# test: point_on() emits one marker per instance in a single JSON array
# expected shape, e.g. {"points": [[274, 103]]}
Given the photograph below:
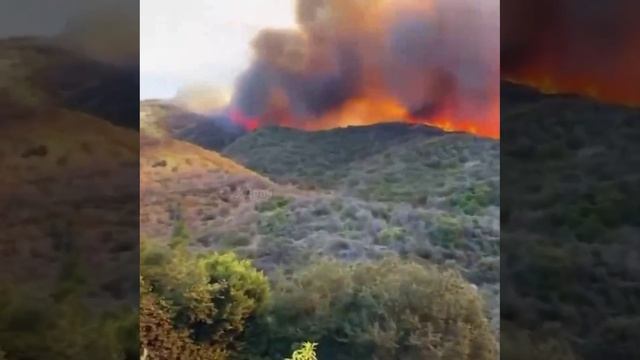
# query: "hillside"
{"points": [[570, 221], [162, 119], [66, 187], [389, 162], [69, 241], [181, 181], [288, 154], [40, 74], [68, 159], [353, 194]]}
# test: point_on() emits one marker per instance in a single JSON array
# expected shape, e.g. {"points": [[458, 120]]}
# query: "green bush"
{"points": [[274, 222], [208, 296], [33, 325], [59, 320], [234, 239], [390, 235], [161, 339], [524, 345], [273, 203], [476, 198], [448, 231], [384, 310]]}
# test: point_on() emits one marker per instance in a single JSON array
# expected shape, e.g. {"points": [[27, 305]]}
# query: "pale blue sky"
{"points": [[201, 41]]}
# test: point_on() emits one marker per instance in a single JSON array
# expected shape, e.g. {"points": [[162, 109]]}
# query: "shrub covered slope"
{"points": [[570, 225], [400, 201]]}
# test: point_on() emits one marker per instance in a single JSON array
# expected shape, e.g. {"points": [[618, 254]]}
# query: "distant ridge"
{"points": [[43, 73], [160, 118]]}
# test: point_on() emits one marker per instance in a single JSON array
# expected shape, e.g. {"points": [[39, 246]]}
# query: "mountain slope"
{"points": [[68, 203], [450, 172], [294, 155], [66, 189], [388, 162], [183, 182], [40, 74], [162, 119], [282, 197], [570, 222], [354, 194]]}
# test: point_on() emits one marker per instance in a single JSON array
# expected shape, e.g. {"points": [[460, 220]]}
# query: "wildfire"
{"points": [[360, 111], [486, 127], [356, 63], [568, 46], [551, 80], [368, 111]]}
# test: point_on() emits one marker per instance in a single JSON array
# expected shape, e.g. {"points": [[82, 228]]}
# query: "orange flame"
{"points": [[374, 110], [458, 34], [249, 123], [551, 80], [564, 46]]}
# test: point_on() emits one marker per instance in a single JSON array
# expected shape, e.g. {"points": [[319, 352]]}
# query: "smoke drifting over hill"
{"points": [[94, 33], [354, 62]]}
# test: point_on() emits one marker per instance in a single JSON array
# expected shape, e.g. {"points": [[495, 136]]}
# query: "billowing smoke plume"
{"points": [[108, 31], [586, 47], [203, 98], [358, 62]]}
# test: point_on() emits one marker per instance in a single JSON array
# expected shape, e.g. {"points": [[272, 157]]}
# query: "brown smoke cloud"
{"points": [[109, 32], [357, 62], [585, 47], [204, 99]]}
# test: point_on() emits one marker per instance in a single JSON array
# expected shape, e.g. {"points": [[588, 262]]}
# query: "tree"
{"points": [[196, 304], [389, 309]]}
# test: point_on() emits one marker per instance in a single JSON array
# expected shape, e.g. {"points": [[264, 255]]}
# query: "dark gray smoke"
{"points": [[426, 58], [309, 95]]}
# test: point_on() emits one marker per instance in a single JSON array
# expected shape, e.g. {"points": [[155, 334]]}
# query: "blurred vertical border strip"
{"points": [[69, 192]]}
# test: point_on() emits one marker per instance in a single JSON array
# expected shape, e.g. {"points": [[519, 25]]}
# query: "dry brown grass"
{"points": [[67, 183], [170, 158], [201, 187]]}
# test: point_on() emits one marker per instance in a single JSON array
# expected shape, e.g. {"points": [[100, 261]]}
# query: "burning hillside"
{"points": [[358, 63], [572, 46]]}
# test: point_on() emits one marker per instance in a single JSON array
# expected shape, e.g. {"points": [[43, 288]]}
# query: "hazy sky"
{"points": [[201, 41], [48, 17]]}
